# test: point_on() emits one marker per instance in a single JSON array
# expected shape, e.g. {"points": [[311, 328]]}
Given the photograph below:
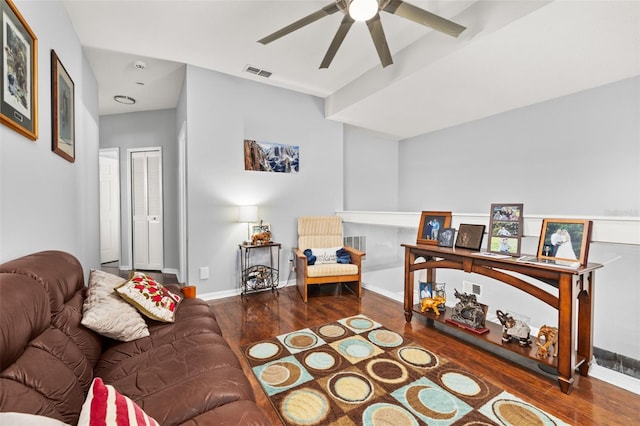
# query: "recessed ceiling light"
{"points": [[127, 100]]}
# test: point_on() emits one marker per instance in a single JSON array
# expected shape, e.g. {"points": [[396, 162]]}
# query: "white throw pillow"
{"points": [[24, 419], [105, 312], [150, 297], [325, 255]]}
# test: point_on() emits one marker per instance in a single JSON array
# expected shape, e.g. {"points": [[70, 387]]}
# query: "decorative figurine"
{"points": [[468, 311], [514, 329], [550, 337], [261, 238], [432, 303]]}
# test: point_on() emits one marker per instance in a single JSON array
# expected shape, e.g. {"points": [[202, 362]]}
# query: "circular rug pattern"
{"points": [[463, 383], [332, 331], [431, 402], [418, 357], [321, 361], [387, 371], [301, 340], [386, 338], [356, 348], [305, 407], [383, 414], [350, 387], [264, 350], [360, 323], [519, 413], [281, 374]]}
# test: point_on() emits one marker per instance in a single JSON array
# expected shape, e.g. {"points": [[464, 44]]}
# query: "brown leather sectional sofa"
{"points": [[183, 373]]}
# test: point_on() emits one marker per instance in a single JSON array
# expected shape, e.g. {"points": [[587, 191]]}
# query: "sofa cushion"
{"points": [[106, 406], [150, 297], [105, 312]]}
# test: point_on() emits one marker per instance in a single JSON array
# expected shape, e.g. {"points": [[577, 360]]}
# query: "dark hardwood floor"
{"points": [[268, 314]]}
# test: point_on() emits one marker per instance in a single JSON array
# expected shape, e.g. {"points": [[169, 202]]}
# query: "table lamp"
{"points": [[248, 214]]}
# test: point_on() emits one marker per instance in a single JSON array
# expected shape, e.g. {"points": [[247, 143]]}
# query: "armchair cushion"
{"points": [[331, 269]]}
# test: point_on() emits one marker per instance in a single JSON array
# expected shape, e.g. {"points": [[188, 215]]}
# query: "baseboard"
{"points": [[235, 292], [173, 271], [125, 268]]}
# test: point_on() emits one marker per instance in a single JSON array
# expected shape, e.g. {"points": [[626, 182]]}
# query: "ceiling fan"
{"points": [[368, 10]]}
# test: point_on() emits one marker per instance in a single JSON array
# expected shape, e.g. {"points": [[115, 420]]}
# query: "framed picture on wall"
{"points": [[19, 88], [63, 138], [505, 229], [430, 225]]}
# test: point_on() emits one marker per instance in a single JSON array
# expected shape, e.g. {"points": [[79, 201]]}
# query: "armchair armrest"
{"points": [[356, 255]]}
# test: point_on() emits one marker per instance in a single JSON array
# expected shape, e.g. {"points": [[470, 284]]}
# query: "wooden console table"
{"points": [[574, 301]]}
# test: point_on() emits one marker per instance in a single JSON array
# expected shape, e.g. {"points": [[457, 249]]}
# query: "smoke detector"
{"points": [[139, 65]]}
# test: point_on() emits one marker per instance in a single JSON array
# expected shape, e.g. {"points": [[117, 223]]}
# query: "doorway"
{"points": [[109, 169], [147, 224]]}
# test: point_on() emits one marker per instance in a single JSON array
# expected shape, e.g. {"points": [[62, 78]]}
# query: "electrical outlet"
{"points": [[204, 273]]}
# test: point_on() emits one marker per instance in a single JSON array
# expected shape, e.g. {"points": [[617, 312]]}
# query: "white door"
{"points": [[109, 206], [146, 193]]}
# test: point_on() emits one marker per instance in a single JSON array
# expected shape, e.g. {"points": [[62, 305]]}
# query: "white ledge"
{"points": [[606, 229]]}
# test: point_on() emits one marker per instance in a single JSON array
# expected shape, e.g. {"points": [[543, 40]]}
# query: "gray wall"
{"points": [[46, 201], [221, 112], [578, 155], [144, 130]]}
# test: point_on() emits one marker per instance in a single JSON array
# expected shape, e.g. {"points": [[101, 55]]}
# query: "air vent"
{"points": [[258, 71], [358, 242]]}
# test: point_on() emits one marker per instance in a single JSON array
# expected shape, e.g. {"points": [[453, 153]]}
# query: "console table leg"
{"points": [[566, 385], [408, 316]]}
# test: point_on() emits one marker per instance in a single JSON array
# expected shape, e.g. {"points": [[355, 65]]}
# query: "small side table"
{"points": [[259, 277]]}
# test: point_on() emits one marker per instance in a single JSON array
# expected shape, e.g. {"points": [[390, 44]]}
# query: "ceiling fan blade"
{"points": [[421, 16], [325, 11], [344, 28], [379, 40]]}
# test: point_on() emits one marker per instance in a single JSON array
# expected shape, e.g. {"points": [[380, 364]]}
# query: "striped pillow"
{"points": [[106, 406]]}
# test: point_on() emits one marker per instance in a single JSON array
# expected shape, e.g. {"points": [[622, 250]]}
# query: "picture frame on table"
{"points": [[470, 236], [447, 237], [63, 140], [505, 228], [565, 240], [19, 69], [258, 228], [430, 225]]}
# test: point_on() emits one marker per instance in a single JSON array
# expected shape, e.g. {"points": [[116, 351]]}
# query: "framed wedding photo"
{"points": [[505, 229], [430, 225], [19, 69], [470, 236], [62, 111], [565, 240]]}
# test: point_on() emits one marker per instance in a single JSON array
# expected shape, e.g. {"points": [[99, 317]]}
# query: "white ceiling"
{"points": [[513, 54]]}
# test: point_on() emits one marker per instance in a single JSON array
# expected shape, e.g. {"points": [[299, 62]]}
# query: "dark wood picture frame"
{"points": [[565, 240], [505, 228], [19, 72], [470, 236], [63, 138], [447, 237], [430, 225]]}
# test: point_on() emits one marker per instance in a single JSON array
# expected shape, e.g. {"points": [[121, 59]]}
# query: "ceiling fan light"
{"points": [[363, 10]]}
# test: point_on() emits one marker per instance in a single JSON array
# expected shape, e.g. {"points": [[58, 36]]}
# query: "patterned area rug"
{"points": [[357, 372]]}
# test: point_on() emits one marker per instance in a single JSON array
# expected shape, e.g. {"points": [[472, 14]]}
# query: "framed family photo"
{"points": [[565, 240], [431, 223], [62, 111], [19, 69], [505, 229], [470, 236], [447, 237]]}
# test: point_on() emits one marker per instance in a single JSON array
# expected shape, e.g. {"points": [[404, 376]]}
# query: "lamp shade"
{"points": [[248, 214]]}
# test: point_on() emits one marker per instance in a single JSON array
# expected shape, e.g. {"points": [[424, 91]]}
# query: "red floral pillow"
{"points": [[150, 297]]}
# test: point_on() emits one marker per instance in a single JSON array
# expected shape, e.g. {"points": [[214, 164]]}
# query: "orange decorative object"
{"points": [[432, 303], [189, 291]]}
